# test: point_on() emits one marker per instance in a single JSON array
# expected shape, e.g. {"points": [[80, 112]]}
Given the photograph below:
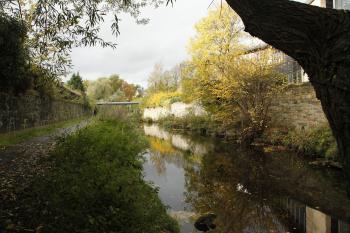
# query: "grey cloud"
{"points": [[164, 40]]}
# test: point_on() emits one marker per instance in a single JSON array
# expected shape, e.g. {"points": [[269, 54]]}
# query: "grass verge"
{"points": [[8, 139], [95, 185]]}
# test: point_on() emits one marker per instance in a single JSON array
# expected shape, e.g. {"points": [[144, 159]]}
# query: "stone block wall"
{"points": [[297, 107], [177, 109], [26, 111], [156, 113]]}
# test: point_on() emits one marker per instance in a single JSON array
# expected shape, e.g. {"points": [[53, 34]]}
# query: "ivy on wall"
{"points": [[13, 56]]}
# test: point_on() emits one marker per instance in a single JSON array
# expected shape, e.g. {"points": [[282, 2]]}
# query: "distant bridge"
{"points": [[116, 109], [118, 103]]}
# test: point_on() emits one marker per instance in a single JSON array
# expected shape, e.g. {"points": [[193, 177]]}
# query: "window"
{"points": [[342, 4]]}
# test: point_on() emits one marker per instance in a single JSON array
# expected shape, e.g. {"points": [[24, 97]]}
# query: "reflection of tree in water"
{"points": [[223, 186], [158, 162], [248, 190], [176, 149], [162, 152]]}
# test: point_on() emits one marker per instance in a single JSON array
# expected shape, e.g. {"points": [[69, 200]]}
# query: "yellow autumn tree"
{"points": [[233, 81]]}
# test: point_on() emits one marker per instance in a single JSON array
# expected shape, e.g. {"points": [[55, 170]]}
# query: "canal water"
{"points": [[250, 190]]}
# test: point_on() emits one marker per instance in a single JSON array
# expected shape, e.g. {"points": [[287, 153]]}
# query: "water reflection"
{"points": [[250, 190], [180, 142]]}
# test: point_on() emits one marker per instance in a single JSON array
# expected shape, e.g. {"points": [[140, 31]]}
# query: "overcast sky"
{"points": [[164, 40]]}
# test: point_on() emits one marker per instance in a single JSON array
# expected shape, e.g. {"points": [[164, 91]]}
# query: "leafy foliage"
{"points": [[18, 73], [163, 86], [190, 122], [76, 83], [111, 89], [96, 185], [316, 142], [234, 84], [13, 55], [46, 84], [161, 99], [55, 27]]}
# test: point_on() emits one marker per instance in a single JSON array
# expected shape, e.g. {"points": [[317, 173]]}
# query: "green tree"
{"points": [[111, 89], [13, 56], [100, 89], [116, 82], [76, 83]]}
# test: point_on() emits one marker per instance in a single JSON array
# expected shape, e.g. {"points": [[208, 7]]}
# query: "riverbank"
{"points": [[247, 188], [92, 182], [203, 125], [316, 143]]}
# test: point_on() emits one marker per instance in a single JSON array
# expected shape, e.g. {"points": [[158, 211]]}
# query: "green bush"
{"points": [[42, 81], [190, 122], [76, 83], [316, 142], [13, 56], [97, 185]]}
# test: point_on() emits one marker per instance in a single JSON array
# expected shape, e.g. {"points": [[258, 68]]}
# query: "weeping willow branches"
{"points": [[56, 26]]}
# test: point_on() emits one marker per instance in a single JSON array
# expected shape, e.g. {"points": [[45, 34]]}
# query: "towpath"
{"points": [[21, 162]]}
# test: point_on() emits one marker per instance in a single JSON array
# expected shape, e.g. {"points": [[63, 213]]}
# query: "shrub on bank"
{"points": [[317, 142], [96, 185], [189, 122]]}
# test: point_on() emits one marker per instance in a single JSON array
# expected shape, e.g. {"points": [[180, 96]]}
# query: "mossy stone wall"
{"points": [[26, 111]]}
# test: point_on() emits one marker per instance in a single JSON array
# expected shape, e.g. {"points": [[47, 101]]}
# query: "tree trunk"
{"points": [[336, 105], [319, 39]]}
